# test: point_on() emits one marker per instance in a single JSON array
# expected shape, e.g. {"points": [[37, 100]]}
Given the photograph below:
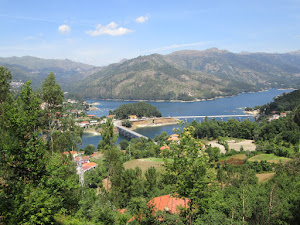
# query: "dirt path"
{"points": [[247, 145], [216, 144]]}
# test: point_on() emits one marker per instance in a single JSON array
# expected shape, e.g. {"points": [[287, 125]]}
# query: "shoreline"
{"points": [[196, 100]]}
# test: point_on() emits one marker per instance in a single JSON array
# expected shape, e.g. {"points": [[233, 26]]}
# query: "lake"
{"points": [[221, 106]]}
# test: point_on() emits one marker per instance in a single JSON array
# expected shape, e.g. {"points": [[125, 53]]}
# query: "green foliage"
{"points": [[189, 171], [5, 77], [108, 137], [123, 144], [51, 92], [285, 102], [89, 149], [140, 109], [127, 123]]}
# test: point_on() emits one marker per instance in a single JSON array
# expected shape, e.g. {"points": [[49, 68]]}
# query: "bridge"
{"points": [[132, 134], [216, 116], [129, 133]]}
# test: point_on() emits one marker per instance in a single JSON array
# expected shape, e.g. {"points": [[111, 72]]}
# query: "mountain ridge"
{"points": [[180, 75]]}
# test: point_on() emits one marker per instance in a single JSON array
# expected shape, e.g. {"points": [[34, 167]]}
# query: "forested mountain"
{"points": [[156, 77], [37, 69], [282, 103], [189, 75], [182, 75], [260, 69]]}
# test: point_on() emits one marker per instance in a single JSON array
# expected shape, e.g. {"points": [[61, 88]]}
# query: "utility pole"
{"points": [[129, 151], [81, 173]]}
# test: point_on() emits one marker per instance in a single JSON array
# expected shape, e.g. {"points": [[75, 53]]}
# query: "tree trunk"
{"points": [[243, 206], [270, 203]]}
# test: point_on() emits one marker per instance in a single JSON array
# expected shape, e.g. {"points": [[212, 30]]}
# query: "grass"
{"points": [[270, 158], [238, 159], [146, 163], [263, 177]]}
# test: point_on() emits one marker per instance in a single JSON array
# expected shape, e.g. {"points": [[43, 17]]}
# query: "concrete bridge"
{"points": [[216, 116], [128, 133]]}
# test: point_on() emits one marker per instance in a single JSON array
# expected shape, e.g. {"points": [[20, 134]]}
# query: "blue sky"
{"points": [[103, 32]]}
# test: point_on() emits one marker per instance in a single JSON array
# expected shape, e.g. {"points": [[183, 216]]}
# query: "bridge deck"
{"points": [[216, 116], [127, 132]]}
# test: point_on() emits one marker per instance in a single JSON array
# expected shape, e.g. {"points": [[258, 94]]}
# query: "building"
{"points": [[133, 117], [164, 147], [88, 166], [166, 203]]}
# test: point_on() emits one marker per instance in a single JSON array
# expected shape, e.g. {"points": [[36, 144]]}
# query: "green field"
{"points": [[144, 164], [270, 158]]}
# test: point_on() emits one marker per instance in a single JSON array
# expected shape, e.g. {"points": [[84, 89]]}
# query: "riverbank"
{"points": [[153, 122]]}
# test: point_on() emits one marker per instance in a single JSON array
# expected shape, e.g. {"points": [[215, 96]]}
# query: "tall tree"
{"points": [[189, 171], [51, 92], [52, 96]]}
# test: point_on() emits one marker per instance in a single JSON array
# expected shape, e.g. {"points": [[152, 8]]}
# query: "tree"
{"points": [[5, 77], [89, 149], [108, 137], [189, 171], [51, 92]]}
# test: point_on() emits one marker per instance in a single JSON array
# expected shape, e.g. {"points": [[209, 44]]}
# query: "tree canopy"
{"points": [[140, 109]]}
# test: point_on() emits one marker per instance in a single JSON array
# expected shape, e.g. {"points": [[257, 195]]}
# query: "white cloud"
{"points": [[64, 29], [110, 29], [142, 19], [175, 46]]}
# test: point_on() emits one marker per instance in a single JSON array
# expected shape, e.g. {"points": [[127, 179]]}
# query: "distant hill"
{"points": [[182, 75], [37, 69], [155, 77], [282, 103], [261, 69]]}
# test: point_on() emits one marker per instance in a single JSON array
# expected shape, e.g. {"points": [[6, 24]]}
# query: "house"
{"points": [[91, 116], [84, 124], [133, 117], [84, 159], [282, 114], [88, 166], [167, 203], [173, 137], [164, 147], [111, 116], [73, 153]]}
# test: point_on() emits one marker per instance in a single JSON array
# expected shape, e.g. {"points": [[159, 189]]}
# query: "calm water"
{"points": [[222, 106]]}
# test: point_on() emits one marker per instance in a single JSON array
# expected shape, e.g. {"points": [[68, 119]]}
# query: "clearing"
{"points": [[145, 163], [238, 159], [247, 145], [234, 144], [263, 177], [153, 122], [270, 158]]}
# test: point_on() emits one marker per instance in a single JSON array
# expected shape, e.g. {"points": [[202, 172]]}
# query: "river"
{"points": [[221, 106]]}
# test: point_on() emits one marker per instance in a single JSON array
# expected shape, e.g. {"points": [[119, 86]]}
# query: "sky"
{"points": [[100, 32]]}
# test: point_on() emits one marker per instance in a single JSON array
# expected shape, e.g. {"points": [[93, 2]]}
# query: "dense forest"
{"points": [[39, 184], [282, 103], [140, 109]]}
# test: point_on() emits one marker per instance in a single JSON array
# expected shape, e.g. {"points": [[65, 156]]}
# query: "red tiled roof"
{"points": [[70, 152], [84, 158], [173, 139], [122, 210], [165, 203], [88, 166], [164, 147], [169, 203], [91, 115], [85, 122], [111, 116]]}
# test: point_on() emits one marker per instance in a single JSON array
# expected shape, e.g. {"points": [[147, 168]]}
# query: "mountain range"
{"points": [[182, 75]]}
